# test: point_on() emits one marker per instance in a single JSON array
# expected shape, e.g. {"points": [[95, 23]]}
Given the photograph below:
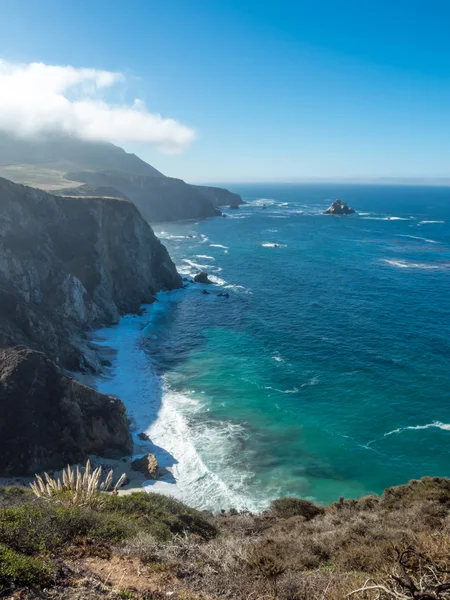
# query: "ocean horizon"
{"points": [[323, 374]]}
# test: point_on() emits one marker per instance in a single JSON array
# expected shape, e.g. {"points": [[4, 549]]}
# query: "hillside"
{"points": [[61, 164], [149, 547]]}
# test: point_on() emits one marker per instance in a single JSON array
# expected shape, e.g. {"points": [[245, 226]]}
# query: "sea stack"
{"points": [[338, 207]]}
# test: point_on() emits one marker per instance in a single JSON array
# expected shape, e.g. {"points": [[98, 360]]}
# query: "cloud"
{"points": [[37, 98]]}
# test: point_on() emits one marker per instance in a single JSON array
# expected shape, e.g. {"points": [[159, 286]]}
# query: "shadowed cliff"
{"points": [[67, 264]]}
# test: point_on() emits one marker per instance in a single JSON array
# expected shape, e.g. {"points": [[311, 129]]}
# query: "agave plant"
{"points": [[77, 488]]}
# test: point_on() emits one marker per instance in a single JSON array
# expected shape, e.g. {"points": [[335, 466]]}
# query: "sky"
{"points": [[228, 90]]}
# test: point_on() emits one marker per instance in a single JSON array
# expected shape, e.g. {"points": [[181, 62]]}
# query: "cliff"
{"points": [[48, 420], [67, 264], [158, 198], [219, 196], [70, 166]]}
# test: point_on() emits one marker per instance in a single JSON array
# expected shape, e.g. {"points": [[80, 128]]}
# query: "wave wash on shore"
{"points": [[199, 460]]}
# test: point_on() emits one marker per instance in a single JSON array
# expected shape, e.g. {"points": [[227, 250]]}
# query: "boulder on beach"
{"points": [[338, 207], [202, 277], [148, 465]]}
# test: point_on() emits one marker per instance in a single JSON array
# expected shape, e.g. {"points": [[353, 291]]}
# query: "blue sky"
{"points": [[273, 90]]}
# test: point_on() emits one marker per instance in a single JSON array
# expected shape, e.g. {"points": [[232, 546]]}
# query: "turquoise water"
{"points": [[326, 371]]}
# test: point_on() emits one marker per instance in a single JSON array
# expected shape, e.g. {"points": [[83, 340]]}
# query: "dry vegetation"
{"points": [[145, 546]]}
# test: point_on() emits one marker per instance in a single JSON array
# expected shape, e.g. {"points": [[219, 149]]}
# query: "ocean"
{"points": [[325, 373]]}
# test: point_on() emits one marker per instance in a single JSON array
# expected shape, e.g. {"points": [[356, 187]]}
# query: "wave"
{"points": [[435, 424], [204, 256], [416, 237], [426, 222], [217, 280], [387, 218], [180, 437], [293, 391], [191, 263], [218, 246], [272, 245], [406, 264], [176, 237], [204, 238]]}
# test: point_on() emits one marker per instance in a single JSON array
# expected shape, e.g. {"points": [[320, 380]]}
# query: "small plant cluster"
{"points": [[76, 488]]}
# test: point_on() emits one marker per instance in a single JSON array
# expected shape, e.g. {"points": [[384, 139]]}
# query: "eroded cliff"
{"points": [[67, 264]]}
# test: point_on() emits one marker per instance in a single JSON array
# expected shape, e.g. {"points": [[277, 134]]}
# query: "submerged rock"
{"points": [[223, 295], [234, 206], [144, 437], [338, 207], [202, 277], [148, 465], [205, 292]]}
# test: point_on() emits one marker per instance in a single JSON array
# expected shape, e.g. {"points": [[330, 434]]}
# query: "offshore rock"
{"points": [[202, 277], [338, 207]]}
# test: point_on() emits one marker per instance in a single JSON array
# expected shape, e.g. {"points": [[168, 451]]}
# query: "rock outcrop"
{"points": [[148, 465], [219, 196], [48, 420], [338, 207], [202, 277], [67, 264]]}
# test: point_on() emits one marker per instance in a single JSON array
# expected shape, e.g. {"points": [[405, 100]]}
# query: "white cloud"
{"points": [[37, 98]]}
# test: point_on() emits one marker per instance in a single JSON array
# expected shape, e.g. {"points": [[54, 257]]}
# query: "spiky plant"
{"points": [[76, 488]]}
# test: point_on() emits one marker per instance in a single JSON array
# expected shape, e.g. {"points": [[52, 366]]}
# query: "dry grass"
{"points": [[396, 546], [75, 487]]}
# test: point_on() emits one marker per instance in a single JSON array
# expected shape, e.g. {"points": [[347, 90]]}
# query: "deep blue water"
{"points": [[326, 371]]}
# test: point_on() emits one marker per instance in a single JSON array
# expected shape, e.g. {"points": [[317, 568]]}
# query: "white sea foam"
{"points": [[205, 256], [406, 264], [218, 246], [435, 424], [272, 245], [179, 439], [313, 381], [166, 236], [416, 237], [426, 222], [199, 266], [204, 238], [293, 391], [217, 280]]}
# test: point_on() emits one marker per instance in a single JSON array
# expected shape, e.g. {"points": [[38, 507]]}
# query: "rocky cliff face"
{"points": [[67, 264], [158, 198], [48, 420], [219, 196]]}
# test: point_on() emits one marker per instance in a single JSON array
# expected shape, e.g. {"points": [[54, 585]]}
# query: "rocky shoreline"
{"points": [[66, 265]]}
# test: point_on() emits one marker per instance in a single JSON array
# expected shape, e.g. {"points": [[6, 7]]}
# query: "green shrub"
{"points": [[295, 507], [23, 570], [45, 527], [14, 494], [160, 515]]}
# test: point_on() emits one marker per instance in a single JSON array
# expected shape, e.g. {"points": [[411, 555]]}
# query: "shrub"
{"points": [[36, 528], [76, 488], [24, 570], [160, 515], [294, 507]]}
